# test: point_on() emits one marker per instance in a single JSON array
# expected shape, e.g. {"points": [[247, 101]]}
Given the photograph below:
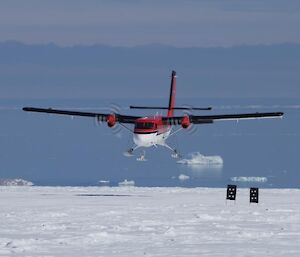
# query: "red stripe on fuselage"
{"points": [[149, 125]]}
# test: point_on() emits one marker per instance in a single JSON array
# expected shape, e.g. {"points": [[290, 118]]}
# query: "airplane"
{"points": [[154, 130]]}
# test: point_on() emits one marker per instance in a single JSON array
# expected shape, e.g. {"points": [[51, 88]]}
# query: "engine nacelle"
{"points": [[111, 120], [185, 123]]}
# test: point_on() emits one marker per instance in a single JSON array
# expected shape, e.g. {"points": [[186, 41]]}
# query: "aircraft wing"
{"points": [[100, 116], [206, 119]]}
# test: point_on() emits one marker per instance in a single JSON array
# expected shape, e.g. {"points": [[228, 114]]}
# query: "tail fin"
{"points": [[172, 95]]}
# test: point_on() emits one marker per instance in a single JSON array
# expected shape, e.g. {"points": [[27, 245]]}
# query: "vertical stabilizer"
{"points": [[172, 95]]}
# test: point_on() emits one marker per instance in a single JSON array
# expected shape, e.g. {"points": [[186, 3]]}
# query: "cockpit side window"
{"points": [[145, 125]]}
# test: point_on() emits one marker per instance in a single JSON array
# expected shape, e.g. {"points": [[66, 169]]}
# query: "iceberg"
{"points": [[127, 183], [15, 182], [199, 159]]}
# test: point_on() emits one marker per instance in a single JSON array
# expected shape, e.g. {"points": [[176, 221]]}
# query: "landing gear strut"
{"points": [[129, 152], [175, 153]]}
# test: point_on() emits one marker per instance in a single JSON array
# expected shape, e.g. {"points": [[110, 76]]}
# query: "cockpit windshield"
{"points": [[144, 125]]}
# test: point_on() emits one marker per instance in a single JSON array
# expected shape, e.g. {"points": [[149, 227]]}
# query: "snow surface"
{"points": [[132, 221]]}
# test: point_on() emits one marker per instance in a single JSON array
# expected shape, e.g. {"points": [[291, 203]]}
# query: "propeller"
{"points": [[192, 129], [112, 109]]}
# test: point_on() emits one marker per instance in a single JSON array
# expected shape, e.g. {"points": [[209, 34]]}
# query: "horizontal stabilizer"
{"points": [[174, 108]]}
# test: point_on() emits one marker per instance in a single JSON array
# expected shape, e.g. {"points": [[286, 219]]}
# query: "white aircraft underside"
{"points": [[151, 139]]}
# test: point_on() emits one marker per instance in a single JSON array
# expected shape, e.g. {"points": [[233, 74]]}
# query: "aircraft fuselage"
{"points": [[150, 131]]}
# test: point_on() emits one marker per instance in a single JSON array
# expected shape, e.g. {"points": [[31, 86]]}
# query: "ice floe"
{"points": [[15, 182], [250, 179], [183, 177], [127, 183]]}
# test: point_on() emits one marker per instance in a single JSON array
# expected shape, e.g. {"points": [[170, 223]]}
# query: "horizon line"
{"points": [[149, 45]]}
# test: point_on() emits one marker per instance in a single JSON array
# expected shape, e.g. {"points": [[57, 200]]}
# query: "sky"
{"points": [[138, 22], [218, 48]]}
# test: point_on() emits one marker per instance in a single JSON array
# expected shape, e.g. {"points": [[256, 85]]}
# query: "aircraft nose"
{"points": [[137, 139], [145, 140]]}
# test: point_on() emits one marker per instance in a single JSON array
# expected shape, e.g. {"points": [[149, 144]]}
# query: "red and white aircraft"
{"points": [[154, 130]]}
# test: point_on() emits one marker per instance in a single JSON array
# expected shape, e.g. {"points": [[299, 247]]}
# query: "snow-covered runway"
{"points": [[91, 221]]}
